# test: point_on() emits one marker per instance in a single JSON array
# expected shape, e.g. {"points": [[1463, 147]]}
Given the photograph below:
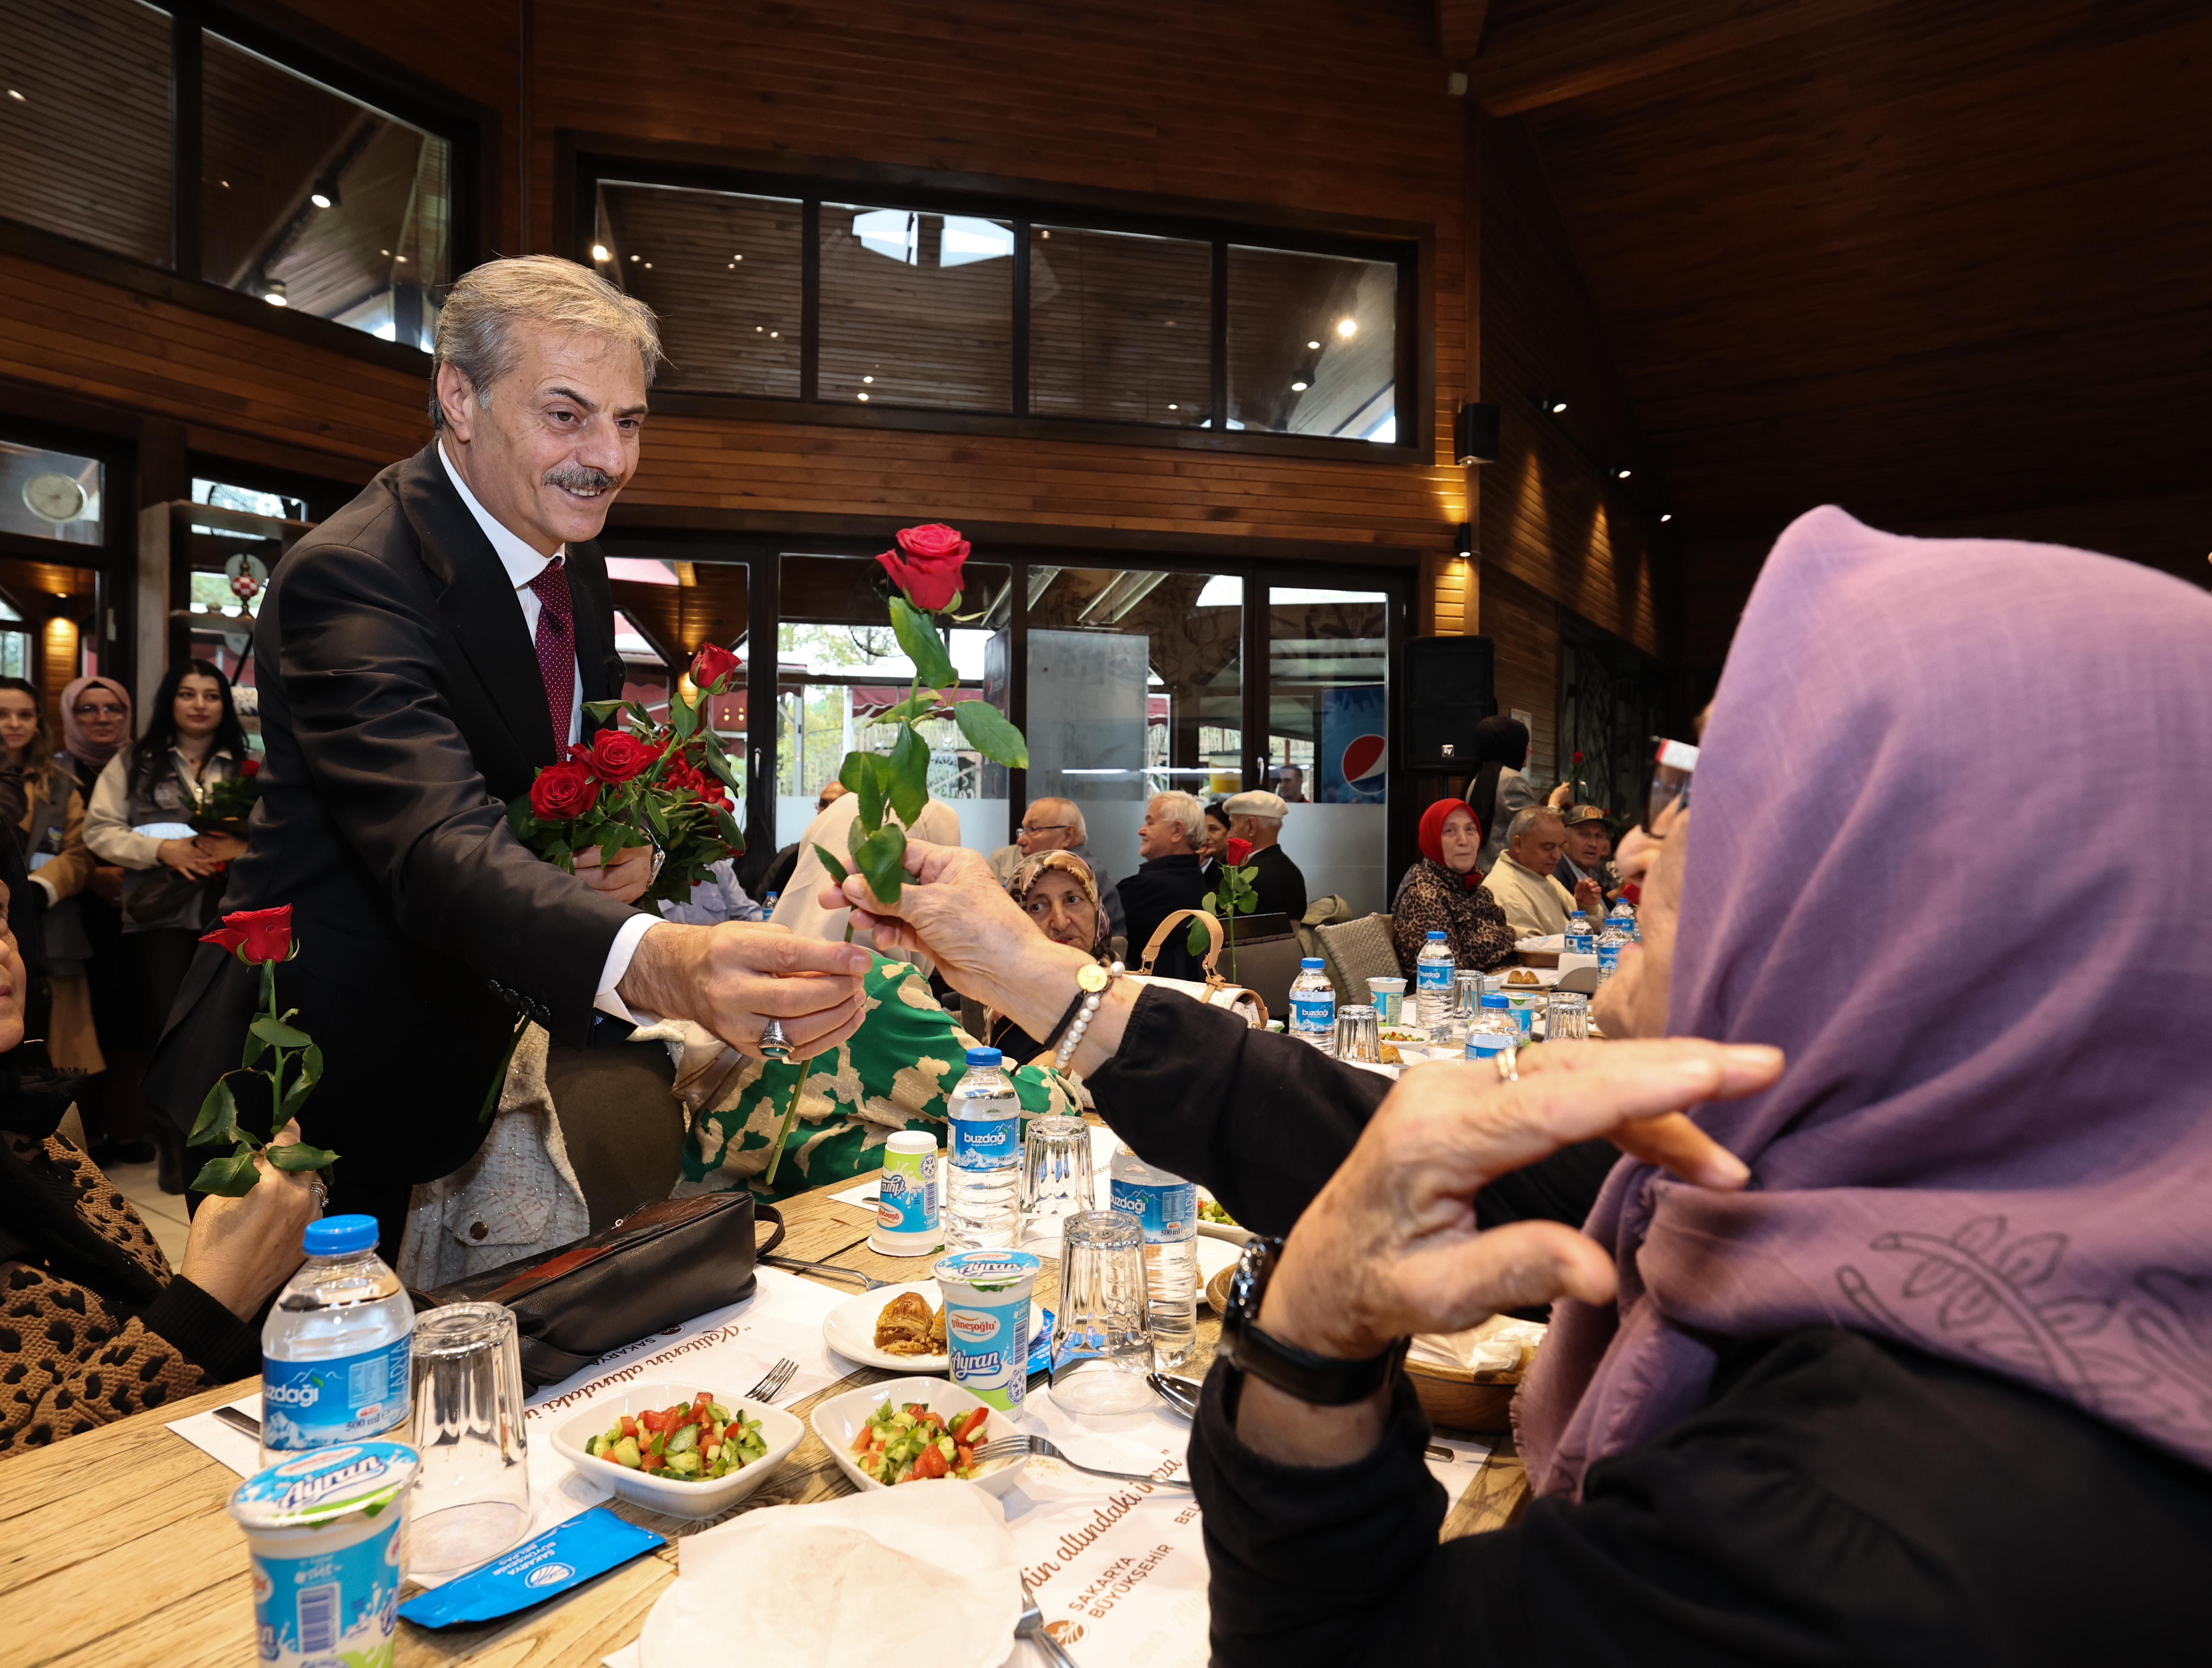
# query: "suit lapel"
{"points": [[595, 619], [478, 604]]}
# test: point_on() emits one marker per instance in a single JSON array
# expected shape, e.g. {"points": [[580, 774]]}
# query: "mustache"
{"points": [[578, 478]]}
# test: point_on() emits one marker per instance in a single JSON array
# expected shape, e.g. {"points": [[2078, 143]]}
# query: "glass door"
{"points": [[1328, 736]]}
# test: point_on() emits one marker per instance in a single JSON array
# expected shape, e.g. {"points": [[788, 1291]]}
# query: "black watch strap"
{"points": [[1325, 1381]]}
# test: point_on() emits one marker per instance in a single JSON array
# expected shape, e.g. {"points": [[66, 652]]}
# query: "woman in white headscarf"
{"points": [[799, 908]]}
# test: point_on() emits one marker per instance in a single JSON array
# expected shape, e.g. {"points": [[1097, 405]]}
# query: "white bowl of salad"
{"points": [[910, 1430], [677, 1449]]}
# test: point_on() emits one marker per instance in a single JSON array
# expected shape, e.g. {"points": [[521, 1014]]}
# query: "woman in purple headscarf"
{"points": [[1935, 1385]]}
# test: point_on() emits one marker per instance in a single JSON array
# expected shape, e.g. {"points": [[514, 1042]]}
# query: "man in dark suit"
{"points": [[422, 655], [1167, 880], [1279, 885]]}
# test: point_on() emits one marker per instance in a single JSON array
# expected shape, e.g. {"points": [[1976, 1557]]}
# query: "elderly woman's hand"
{"points": [[1390, 1247], [241, 1249]]}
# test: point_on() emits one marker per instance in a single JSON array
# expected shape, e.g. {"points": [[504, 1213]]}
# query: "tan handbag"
{"points": [[1216, 991]]}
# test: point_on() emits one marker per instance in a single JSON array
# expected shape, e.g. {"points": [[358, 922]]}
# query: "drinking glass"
{"points": [[1102, 1342], [1056, 1181], [1356, 1037], [1566, 1018], [1467, 987], [471, 1500]]}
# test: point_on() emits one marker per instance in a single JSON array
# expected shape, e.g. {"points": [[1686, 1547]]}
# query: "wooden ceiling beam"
{"points": [[1582, 46], [1459, 28]]}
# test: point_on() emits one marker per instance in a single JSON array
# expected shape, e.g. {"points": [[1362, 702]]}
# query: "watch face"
{"points": [[1249, 1283], [54, 497], [1092, 978]]}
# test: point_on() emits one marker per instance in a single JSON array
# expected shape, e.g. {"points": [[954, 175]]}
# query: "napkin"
{"points": [[1497, 1345], [923, 1574]]}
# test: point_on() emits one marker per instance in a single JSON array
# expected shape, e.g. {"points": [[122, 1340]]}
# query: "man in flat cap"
{"points": [[1588, 854], [1258, 817]]}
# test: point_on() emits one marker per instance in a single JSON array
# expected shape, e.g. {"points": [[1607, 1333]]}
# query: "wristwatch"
{"points": [[1324, 1381]]}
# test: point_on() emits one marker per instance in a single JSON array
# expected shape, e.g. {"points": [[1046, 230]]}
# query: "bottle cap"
{"points": [[1310, 964], [1436, 938], [986, 1056], [337, 1236], [1578, 915], [1496, 999]]}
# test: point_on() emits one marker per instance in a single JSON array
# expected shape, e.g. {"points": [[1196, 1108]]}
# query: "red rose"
{"points": [[710, 665], [251, 768], [616, 756], [930, 576], [256, 936], [562, 791]]}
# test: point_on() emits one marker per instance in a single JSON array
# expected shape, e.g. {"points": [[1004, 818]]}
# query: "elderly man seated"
{"points": [[1588, 853], [1056, 824], [1536, 906], [1169, 878]]}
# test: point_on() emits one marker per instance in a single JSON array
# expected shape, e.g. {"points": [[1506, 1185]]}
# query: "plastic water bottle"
{"points": [[1577, 941], [769, 902], [1608, 951], [1432, 984], [1167, 1206], [338, 1350], [1313, 1004], [983, 1182], [1492, 1030], [1625, 918]]}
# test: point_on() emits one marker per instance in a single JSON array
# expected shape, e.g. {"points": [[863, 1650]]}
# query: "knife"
{"points": [[240, 1421]]}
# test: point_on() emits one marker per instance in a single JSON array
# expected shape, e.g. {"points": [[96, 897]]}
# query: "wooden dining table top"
{"points": [[117, 1547]]}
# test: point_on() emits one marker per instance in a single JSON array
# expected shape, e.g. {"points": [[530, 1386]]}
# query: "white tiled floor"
{"points": [[163, 1212]]}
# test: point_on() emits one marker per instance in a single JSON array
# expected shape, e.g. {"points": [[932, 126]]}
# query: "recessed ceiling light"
{"points": [[1046, 233], [1622, 472], [1170, 324], [734, 259], [633, 257], [864, 395], [402, 259], [20, 99], [319, 199], [226, 184], [775, 332], [1172, 406], [758, 328], [1554, 404], [1347, 327], [1666, 514], [1297, 387], [649, 266], [1313, 345], [867, 379], [600, 252], [386, 254], [274, 295]]}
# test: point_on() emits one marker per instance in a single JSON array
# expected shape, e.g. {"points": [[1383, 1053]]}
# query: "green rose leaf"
{"points": [[836, 869], [602, 710], [683, 717], [218, 1118], [988, 732], [733, 836], [718, 761], [274, 1033], [1196, 939], [296, 1156], [310, 1072], [230, 1178], [881, 859], [913, 708], [909, 773], [919, 638]]}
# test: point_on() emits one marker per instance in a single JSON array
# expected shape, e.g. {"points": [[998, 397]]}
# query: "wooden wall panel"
{"points": [[1523, 625]]}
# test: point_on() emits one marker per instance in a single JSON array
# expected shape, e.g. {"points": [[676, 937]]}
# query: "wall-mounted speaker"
{"points": [[1448, 691]]}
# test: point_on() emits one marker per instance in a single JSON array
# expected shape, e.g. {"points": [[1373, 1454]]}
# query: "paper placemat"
{"points": [[727, 1350], [861, 1195]]}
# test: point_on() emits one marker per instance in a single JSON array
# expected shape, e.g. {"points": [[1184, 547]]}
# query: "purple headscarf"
{"points": [[1920, 863]]}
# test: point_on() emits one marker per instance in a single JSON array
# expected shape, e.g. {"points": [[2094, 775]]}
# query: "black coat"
{"points": [[1279, 885], [402, 705], [1154, 892]]}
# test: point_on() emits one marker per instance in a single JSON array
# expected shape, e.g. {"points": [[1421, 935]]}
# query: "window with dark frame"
{"points": [[201, 139], [835, 294]]}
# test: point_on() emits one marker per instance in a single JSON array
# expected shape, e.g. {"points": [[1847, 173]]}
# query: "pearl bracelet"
{"points": [[1084, 1014]]}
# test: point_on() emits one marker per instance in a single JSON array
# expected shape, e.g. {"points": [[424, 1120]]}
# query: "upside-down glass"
{"points": [[1358, 1036], [1102, 1342], [1468, 985], [472, 1501], [1566, 1017], [1671, 769], [1056, 1179]]}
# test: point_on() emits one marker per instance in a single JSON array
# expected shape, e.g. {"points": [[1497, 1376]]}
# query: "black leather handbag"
{"points": [[661, 1265]]}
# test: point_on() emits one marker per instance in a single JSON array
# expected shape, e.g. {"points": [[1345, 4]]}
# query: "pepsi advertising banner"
{"points": [[1354, 748]]}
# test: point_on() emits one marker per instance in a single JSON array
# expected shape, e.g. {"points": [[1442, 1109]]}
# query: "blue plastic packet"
{"points": [[563, 1557], [1041, 1346]]}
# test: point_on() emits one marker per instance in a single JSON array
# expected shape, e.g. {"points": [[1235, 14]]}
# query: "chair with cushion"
{"points": [[1355, 952], [1327, 911]]}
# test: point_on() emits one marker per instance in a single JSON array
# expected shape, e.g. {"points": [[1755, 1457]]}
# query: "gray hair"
{"points": [[476, 330], [1184, 811], [1528, 817], [1071, 812]]}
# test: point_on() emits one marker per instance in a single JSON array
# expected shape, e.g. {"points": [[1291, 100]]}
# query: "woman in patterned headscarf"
{"points": [[892, 1074], [1059, 894]]}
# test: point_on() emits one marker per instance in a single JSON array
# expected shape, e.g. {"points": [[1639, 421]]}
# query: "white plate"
{"points": [[671, 1497], [839, 1419], [1217, 1252], [850, 1329]]}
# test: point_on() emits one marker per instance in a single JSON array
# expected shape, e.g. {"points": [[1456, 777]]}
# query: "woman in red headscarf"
{"points": [[1443, 893]]}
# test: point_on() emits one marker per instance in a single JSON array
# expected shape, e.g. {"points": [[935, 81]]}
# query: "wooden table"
{"points": [[117, 1549]]}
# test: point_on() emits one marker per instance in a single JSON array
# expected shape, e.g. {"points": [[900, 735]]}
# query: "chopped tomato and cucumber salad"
{"points": [[693, 1443], [914, 1442]]}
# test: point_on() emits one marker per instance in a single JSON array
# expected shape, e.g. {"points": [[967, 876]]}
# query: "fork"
{"points": [[828, 1272], [773, 1381], [1032, 1628], [1020, 1447]]}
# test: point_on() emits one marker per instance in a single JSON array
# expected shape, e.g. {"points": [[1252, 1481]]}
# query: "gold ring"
{"points": [[1508, 1061]]}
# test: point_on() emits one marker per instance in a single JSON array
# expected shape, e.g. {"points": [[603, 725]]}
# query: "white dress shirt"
{"points": [[523, 565]]}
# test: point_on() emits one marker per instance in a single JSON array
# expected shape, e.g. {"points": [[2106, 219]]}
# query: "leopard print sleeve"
{"points": [[68, 1361]]}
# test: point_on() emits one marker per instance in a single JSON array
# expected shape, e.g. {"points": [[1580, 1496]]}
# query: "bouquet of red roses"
{"points": [[666, 786]]}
